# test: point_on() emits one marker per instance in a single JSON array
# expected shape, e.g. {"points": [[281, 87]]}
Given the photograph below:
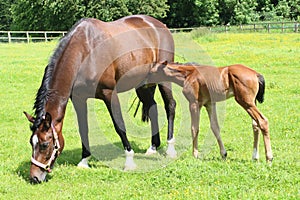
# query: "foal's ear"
{"points": [[47, 121], [164, 62], [29, 117]]}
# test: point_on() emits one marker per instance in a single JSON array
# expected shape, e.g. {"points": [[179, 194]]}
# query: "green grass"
{"points": [[276, 56]]}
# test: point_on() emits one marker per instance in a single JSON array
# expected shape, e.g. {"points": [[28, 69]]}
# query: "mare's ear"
{"points": [[47, 121], [29, 117]]}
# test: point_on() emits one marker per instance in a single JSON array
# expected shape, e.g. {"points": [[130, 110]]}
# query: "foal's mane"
{"points": [[44, 91]]}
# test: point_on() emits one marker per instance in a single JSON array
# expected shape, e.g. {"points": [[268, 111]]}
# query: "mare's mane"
{"points": [[44, 91]]}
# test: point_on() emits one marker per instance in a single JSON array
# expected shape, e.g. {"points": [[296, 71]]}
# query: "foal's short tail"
{"points": [[261, 89]]}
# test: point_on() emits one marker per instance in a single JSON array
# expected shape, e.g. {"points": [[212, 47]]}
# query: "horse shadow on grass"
{"points": [[101, 155]]}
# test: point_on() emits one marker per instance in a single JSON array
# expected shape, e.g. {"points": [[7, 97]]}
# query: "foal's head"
{"points": [[174, 72], [45, 147]]}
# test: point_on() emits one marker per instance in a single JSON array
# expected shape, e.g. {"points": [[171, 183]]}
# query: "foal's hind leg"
{"points": [[170, 105], [256, 130], [80, 106], [195, 118], [214, 125], [263, 124]]}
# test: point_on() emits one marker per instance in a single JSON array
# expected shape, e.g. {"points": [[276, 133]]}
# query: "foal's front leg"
{"points": [[214, 125], [195, 117]]}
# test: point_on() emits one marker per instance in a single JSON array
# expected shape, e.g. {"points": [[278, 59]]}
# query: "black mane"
{"points": [[43, 92]]}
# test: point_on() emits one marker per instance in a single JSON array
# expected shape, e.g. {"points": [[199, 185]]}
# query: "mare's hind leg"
{"points": [[146, 96], [256, 130], [195, 117], [170, 105], [80, 107], [112, 103], [214, 125]]}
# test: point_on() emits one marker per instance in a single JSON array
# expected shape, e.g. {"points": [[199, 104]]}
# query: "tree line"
{"points": [[62, 14]]}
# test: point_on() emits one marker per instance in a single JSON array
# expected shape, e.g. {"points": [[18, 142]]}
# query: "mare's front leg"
{"points": [[170, 105], [214, 125], [80, 107], [195, 118], [113, 105]]}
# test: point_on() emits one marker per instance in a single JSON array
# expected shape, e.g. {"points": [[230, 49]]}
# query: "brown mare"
{"points": [[97, 60], [206, 85]]}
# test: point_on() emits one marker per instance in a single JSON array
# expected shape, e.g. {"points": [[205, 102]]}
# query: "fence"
{"points": [[29, 36], [255, 27], [261, 27]]}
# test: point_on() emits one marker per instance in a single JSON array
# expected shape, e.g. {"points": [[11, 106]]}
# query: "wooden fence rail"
{"points": [[29, 36]]}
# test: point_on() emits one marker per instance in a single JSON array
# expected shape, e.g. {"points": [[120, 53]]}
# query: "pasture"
{"points": [[276, 56]]}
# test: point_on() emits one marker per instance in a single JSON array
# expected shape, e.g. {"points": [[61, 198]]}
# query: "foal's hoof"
{"points": [[195, 153], [269, 161], [224, 156]]}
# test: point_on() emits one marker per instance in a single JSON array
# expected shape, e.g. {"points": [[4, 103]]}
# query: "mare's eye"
{"points": [[44, 146]]}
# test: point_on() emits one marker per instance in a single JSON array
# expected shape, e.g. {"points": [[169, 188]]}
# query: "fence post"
{"points": [[27, 36], [9, 37], [269, 27], [296, 27], [282, 27], [254, 27], [45, 34]]}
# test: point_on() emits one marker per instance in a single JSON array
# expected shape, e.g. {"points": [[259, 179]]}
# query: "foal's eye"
{"points": [[44, 146]]}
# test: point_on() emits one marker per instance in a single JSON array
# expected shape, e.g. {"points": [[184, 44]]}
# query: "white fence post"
{"points": [[27, 36]]}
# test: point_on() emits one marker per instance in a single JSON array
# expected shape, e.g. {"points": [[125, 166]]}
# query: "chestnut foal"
{"points": [[206, 85]]}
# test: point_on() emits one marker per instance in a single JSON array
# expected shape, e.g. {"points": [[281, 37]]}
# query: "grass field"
{"points": [[276, 56]]}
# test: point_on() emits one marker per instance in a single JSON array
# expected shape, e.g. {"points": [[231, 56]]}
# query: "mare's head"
{"points": [[45, 145]]}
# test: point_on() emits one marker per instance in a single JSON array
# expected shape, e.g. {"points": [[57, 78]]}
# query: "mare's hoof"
{"points": [[130, 167], [84, 163], [129, 163], [171, 152], [151, 151]]}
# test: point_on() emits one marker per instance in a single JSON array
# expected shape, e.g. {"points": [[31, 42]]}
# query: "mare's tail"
{"points": [[261, 89], [145, 111]]}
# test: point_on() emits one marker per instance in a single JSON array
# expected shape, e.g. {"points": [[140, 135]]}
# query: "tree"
{"points": [[283, 10], [295, 9], [5, 14], [226, 11], [105, 10], [154, 8], [191, 13], [62, 14], [244, 12]]}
